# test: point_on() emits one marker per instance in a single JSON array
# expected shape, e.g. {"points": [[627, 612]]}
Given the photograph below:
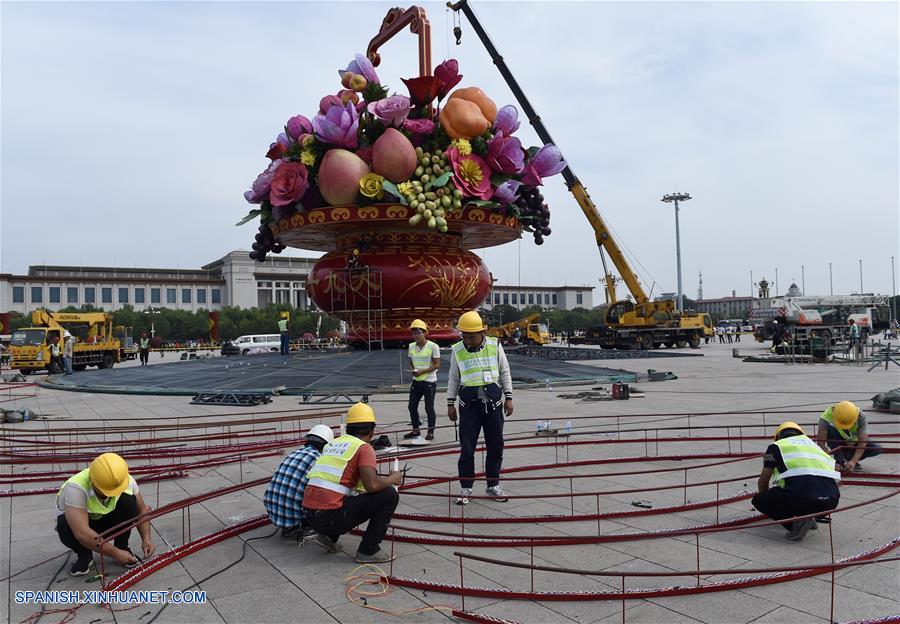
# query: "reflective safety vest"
{"points": [[422, 359], [282, 325], [329, 468], [802, 456], [95, 508], [847, 434], [145, 343], [474, 368]]}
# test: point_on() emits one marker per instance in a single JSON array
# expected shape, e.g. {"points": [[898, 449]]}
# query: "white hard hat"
{"points": [[322, 431], [67, 334]]}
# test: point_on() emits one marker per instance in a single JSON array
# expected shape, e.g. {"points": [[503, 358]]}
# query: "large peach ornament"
{"points": [[339, 176]]}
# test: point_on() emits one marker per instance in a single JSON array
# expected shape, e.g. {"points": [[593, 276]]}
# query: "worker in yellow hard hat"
{"points": [[424, 361], [480, 377], [95, 500], [842, 427], [798, 478], [344, 490]]}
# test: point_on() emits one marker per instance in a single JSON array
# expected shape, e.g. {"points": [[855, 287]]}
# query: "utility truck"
{"points": [[828, 316], [96, 344], [530, 331]]}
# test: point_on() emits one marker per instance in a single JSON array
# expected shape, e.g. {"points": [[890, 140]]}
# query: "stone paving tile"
{"points": [[786, 615], [731, 606], [645, 612], [814, 596], [275, 603], [524, 612]]}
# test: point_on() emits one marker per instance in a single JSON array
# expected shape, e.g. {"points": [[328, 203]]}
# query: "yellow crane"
{"points": [[96, 345]]}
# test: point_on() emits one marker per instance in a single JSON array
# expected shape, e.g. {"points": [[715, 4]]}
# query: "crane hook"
{"points": [[457, 32]]}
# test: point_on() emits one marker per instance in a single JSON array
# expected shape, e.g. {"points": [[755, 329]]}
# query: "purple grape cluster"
{"points": [[265, 242], [532, 208]]}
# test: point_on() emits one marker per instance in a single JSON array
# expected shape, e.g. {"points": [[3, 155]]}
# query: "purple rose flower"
{"points": [[328, 101], [338, 126], [391, 111], [263, 183], [505, 154], [297, 125], [361, 65], [420, 129], [547, 162], [507, 192], [448, 73], [507, 120]]}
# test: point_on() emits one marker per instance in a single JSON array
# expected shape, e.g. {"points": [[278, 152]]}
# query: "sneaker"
{"points": [[800, 529], [290, 531], [82, 565], [496, 493], [379, 556], [463, 498], [325, 542], [415, 433]]}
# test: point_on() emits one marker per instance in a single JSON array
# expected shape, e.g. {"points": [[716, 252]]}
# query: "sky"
{"points": [[129, 131]]}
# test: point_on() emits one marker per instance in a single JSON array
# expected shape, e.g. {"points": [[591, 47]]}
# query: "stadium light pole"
{"points": [[675, 198]]}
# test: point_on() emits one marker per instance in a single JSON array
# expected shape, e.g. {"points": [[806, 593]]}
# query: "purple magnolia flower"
{"points": [[298, 125], [547, 162], [448, 73], [263, 183], [283, 139], [507, 120], [391, 111], [338, 126], [505, 154], [507, 192], [361, 65]]}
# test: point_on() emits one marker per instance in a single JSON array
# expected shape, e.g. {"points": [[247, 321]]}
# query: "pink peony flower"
{"points": [[260, 189], [420, 129], [471, 175], [289, 184], [338, 126], [391, 111]]}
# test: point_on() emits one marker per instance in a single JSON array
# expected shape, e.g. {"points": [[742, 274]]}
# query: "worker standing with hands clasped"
{"points": [[804, 478], [843, 427], [424, 360], [95, 500], [481, 380]]}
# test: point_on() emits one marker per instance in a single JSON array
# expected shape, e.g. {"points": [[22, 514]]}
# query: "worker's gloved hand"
{"points": [[451, 412]]}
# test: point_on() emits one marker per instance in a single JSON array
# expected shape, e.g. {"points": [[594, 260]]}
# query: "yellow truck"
{"points": [[96, 344], [530, 331]]}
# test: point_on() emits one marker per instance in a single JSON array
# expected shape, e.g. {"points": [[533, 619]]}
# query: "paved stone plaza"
{"points": [[278, 582]]}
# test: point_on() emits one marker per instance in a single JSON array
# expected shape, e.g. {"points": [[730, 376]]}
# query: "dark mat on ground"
{"points": [[576, 353], [300, 373]]}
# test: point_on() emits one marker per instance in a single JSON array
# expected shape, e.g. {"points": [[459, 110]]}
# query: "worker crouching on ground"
{"points": [[424, 360], [344, 490], [805, 481], [842, 428], [95, 500], [480, 378], [284, 496]]}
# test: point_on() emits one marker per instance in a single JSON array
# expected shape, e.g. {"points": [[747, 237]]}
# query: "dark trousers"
{"points": [[126, 509], [145, 355], [418, 390], [285, 343], [473, 416], [378, 508], [846, 454], [778, 504]]}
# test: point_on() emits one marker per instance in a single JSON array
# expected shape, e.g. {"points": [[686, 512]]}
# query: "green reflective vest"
{"points": [[847, 434], [282, 325], [802, 456], [145, 343], [422, 359], [95, 508], [480, 368], [329, 468]]}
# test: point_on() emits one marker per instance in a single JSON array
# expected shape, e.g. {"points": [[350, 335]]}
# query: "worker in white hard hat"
{"points": [[798, 478], [480, 378], [424, 361], [344, 490], [95, 500], [842, 428], [284, 496]]}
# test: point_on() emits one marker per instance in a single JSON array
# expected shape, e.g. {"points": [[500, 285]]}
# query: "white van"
{"points": [[258, 343]]}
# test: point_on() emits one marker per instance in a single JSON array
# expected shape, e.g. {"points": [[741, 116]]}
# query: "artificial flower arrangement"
{"points": [[364, 146]]}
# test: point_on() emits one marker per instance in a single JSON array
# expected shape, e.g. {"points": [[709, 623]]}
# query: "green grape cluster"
{"points": [[431, 204]]}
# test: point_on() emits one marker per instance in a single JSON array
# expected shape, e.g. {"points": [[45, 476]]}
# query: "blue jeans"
{"points": [[285, 343], [67, 363], [845, 454]]}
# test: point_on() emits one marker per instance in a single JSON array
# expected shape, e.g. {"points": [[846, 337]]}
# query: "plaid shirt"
{"points": [[284, 496]]}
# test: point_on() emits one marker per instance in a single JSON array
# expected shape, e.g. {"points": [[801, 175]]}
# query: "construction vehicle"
{"points": [[530, 331], [828, 316], [96, 344], [637, 322]]}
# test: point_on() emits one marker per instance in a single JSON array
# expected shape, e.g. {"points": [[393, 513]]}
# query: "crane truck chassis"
{"points": [[30, 346]]}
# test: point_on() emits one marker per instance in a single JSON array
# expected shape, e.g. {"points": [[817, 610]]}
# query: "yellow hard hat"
{"points": [[360, 413], [788, 424], [109, 474], [418, 324], [470, 322], [845, 414]]}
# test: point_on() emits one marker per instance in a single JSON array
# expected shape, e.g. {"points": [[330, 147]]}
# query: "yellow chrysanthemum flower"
{"points": [[470, 171], [307, 158], [463, 145], [405, 188]]}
